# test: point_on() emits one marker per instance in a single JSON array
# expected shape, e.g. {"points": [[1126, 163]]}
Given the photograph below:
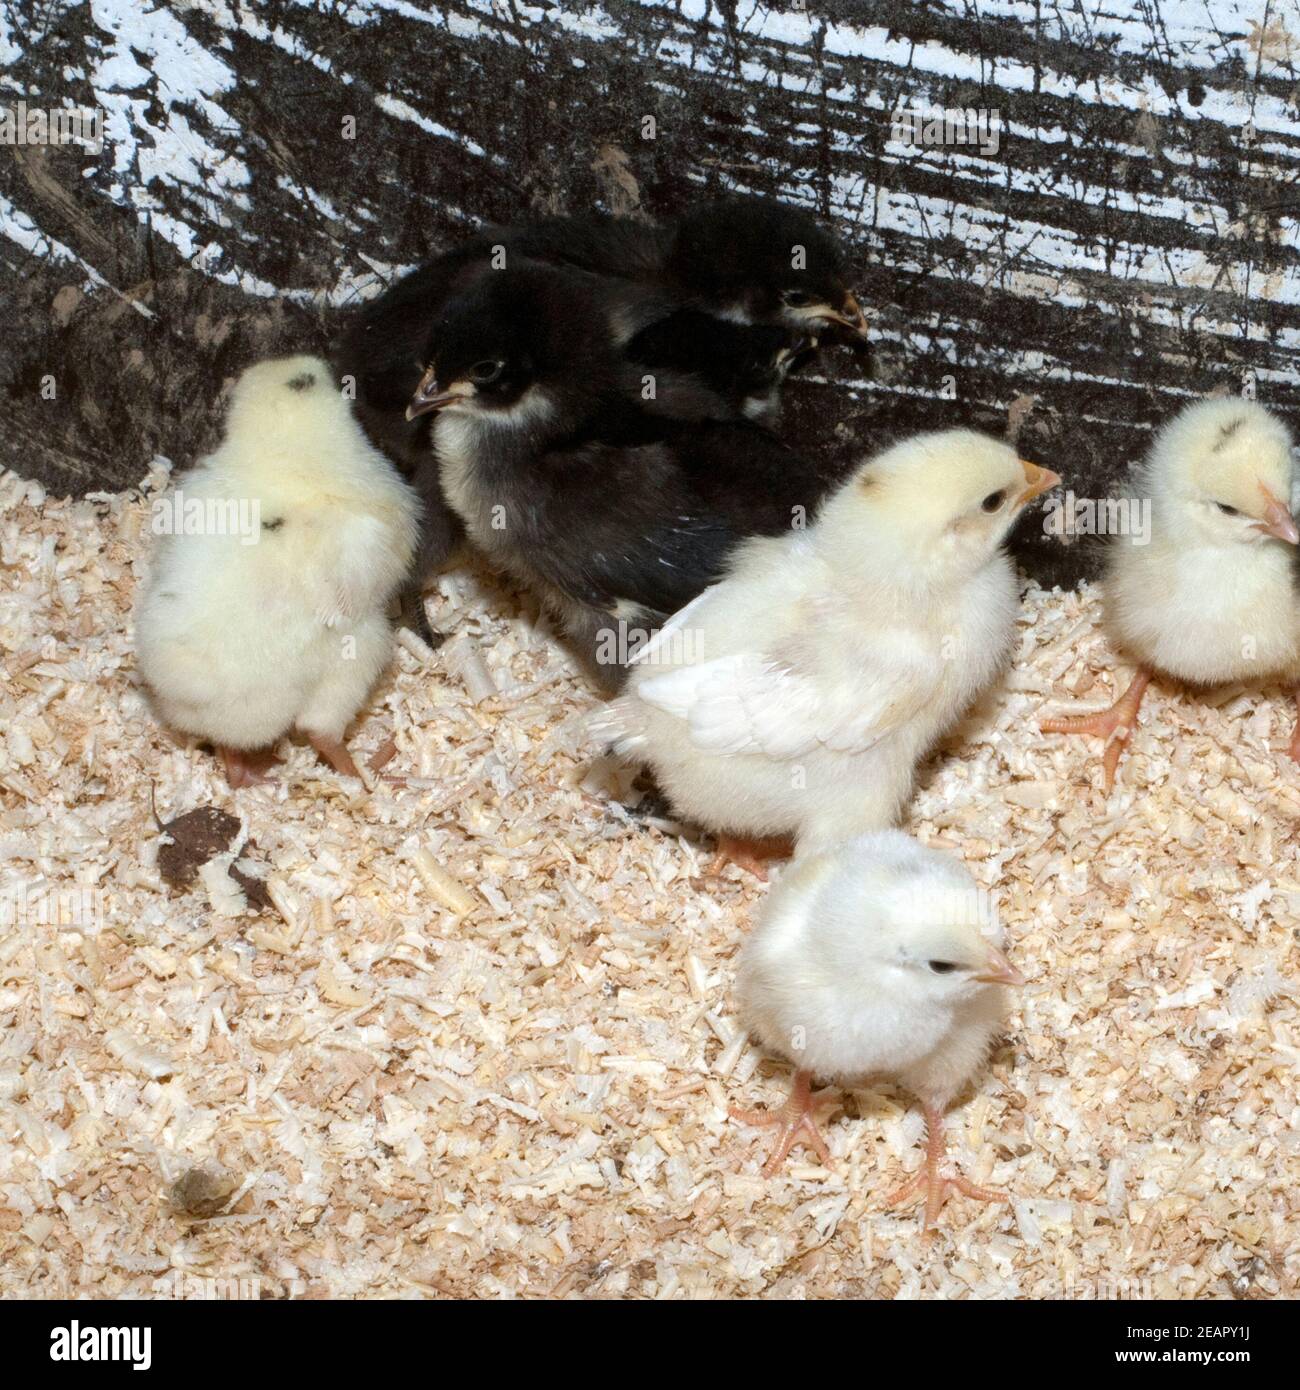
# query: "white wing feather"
{"points": [[751, 702], [671, 628]]}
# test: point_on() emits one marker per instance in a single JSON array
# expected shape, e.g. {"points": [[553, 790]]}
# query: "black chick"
{"points": [[758, 260], [744, 364], [721, 282], [616, 508], [679, 370], [726, 264], [740, 259]]}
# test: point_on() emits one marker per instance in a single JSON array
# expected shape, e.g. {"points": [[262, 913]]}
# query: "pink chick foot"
{"points": [[335, 752], [794, 1120], [1115, 725], [935, 1184], [752, 855], [246, 767]]}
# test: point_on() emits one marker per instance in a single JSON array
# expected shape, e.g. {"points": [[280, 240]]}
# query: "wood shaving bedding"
{"points": [[482, 1041]]}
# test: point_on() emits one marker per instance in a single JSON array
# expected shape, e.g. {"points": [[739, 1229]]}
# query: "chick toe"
{"points": [[246, 767], [935, 1184], [794, 1120], [1115, 724], [751, 855], [335, 752]]}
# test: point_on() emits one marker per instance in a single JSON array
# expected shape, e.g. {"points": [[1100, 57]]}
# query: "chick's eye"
{"points": [[796, 299], [1227, 510], [994, 500], [943, 967], [485, 373]]}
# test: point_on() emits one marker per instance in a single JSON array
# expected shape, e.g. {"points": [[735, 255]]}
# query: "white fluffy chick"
{"points": [[877, 958], [1212, 598], [245, 633], [797, 696]]}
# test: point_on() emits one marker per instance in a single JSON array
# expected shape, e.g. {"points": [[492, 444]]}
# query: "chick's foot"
{"points": [[379, 760], [752, 855], [246, 767], [794, 1120], [935, 1184], [1115, 724], [335, 752]]}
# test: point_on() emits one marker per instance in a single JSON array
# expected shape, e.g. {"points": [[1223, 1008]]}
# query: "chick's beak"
{"points": [[430, 396], [850, 316], [1039, 480], [1000, 970], [1278, 521]]}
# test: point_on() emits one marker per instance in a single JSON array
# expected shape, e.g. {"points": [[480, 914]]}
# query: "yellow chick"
{"points": [[265, 608], [879, 958], [797, 696], [1211, 598]]}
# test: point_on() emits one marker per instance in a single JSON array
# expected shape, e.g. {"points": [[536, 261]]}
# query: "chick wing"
{"points": [[784, 705]]}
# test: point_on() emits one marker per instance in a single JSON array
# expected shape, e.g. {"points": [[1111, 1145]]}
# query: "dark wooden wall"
{"points": [[1133, 240]]}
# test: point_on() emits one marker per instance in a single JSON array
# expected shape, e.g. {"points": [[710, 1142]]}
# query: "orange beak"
{"points": [[1278, 521], [1000, 971], [430, 396], [1040, 480]]}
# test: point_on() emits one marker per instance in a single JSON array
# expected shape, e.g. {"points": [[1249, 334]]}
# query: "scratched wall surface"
{"points": [[267, 162]]}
